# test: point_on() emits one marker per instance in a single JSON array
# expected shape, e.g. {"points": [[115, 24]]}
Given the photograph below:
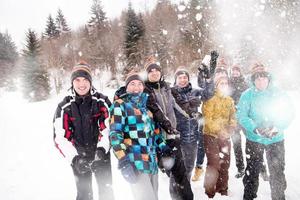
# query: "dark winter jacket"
{"points": [[165, 100], [158, 114], [189, 99], [79, 123], [238, 85], [134, 134]]}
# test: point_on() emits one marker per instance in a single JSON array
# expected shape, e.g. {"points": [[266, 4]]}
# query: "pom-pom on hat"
{"points": [[81, 69]]}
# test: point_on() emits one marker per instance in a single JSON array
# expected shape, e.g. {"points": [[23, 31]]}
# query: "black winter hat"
{"points": [[82, 69], [181, 71], [152, 64]]}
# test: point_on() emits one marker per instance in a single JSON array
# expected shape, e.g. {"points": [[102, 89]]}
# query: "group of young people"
{"points": [[152, 125]]}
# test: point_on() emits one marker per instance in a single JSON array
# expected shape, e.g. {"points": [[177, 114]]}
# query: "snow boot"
{"points": [[240, 174], [198, 172]]}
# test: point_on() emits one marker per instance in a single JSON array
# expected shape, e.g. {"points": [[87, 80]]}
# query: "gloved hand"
{"points": [[173, 131], [167, 160], [268, 132], [128, 171], [101, 155], [81, 164], [213, 61]]}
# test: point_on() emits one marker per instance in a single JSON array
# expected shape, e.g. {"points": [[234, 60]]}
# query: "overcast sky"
{"points": [[16, 16]]}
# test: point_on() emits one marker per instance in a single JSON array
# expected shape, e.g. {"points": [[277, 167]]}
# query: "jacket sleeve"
{"points": [[160, 142], [103, 124], [208, 112], [62, 131], [208, 91], [158, 114], [243, 110], [116, 135]]}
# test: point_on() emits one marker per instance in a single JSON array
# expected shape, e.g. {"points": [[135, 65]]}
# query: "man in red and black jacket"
{"points": [[80, 132]]}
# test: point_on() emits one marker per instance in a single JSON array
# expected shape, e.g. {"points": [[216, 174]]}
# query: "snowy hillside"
{"points": [[32, 169]]}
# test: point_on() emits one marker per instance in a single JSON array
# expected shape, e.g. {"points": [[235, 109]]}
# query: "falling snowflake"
{"points": [[181, 8], [198, 16], [283, 14], [165, 32]]}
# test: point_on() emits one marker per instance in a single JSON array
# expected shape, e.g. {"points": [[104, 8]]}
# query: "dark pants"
{"points": [[218, 161], [237, 148], [103, 175], [275, 154], [200, 148], [179, 186]]}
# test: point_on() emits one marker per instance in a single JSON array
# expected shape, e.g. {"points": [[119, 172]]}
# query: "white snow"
{"points": [[32, 168]]}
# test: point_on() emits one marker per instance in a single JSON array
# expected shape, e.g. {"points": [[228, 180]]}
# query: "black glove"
{"points": [[81, 165], [173, 131], [128, 171], [101, 155], [167, 160], [213, 61]]}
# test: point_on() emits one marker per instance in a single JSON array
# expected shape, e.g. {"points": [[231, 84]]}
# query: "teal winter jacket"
{"points": [[258, 109]]}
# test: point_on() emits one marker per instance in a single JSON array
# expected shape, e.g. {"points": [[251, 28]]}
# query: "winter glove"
{"points": [[128, 171], [269, 132], [101, 155], [167, 160], [173, 131], [213, 61], [81, 165]]}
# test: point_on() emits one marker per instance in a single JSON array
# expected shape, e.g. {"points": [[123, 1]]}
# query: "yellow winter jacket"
{"points": [[219, 116]]}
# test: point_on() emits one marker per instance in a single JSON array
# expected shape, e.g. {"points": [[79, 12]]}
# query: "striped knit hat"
{"points": [[259, 70], [82, 69], [133, 76]]}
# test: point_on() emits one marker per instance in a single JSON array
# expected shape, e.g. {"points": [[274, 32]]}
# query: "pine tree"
{"points": [[98, 20], [61, 23], [35, 76], [51, 29], [8, 58], [133, 34]]}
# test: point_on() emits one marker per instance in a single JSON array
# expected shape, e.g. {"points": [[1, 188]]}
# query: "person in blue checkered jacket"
{"points": [[135, 139]]}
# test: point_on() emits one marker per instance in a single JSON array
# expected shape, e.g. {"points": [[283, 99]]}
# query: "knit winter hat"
{"points": [[259, 70], [133, 76], [82, 69], [220, 69], [181, 71], [152, 64]]}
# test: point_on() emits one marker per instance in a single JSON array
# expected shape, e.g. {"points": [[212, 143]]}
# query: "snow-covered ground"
{"points": [[32, 169]]}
